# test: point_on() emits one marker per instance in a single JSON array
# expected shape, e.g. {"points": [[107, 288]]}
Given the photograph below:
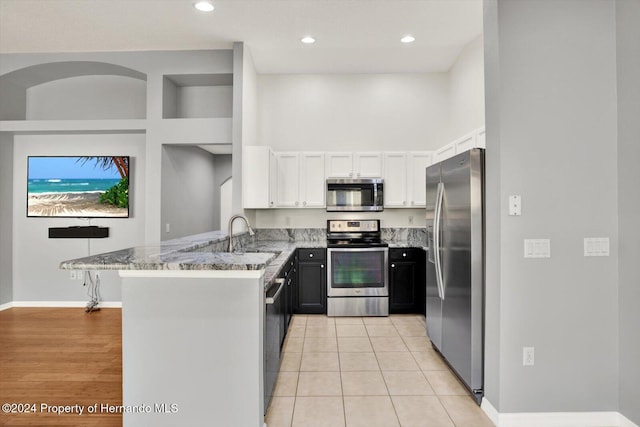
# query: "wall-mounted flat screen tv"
{"points": [[78, 186]]}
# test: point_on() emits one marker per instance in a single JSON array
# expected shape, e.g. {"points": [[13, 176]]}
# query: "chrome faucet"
{"points": [[246, 221]]}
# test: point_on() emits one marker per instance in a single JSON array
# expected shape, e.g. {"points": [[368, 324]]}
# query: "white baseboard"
{"points": [[59, 304], [626, 422], [555, 419]]}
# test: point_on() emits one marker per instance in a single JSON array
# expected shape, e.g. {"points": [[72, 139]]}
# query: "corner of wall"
{"points": [[6, 218]]}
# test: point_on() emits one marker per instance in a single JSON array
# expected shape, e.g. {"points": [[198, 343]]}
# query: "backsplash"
{"points": [[411, 235], [292, 234]]}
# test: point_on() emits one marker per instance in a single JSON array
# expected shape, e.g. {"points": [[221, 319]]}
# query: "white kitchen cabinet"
{"points": [[367, 165], [465, 143], [299, 180], [287, 182], [312, 181], [258, 165], [445, 152], [395, 179], [417, 163], [339, 165], [353, 165]]}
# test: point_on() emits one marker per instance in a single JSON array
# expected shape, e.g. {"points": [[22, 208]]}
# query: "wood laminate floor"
{"points": [[60, 357]]}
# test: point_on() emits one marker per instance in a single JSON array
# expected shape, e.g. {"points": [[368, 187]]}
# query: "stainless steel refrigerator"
{"points": [[455, 265]]}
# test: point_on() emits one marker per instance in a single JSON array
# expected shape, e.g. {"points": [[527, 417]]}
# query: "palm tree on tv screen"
{"points": [[118, 195], [106, 163]]}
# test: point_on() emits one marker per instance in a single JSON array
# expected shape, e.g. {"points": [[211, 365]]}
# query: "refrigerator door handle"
{"points": [[436, 239]]}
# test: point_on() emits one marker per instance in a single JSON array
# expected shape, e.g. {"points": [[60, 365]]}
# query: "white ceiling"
{"points": [[353, 36]]}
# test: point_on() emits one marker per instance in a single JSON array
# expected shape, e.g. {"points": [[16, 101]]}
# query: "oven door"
{"points": [[357, 272]]}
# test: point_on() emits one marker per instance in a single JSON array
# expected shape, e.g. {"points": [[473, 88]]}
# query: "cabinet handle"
{"points": [[310, 255], [358, 173], [393, 266], [404, 202], [296, 203], [271, 203], [304, 203], [321, 265], [351, 174], [404, 254]]}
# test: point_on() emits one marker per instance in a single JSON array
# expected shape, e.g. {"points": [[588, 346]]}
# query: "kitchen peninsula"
{"points": [[192, 329], [193, 320]]}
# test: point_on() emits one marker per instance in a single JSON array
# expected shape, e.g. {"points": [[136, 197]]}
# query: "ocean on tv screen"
{"points": [[77, 186]]}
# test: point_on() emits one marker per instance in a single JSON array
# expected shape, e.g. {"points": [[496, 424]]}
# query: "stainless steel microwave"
{"points": [[355, 195]]}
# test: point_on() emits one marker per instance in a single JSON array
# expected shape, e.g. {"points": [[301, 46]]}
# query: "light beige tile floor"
{"points": [[367, 371]]}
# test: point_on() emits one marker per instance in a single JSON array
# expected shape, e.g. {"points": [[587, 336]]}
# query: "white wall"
{"points": [[347, 112], [551, 134], [36, 276], [222, 172], [317, 218], [88, 97], [6, 218], [341, 112], [188, 191], [466, 92], [628, 67]]}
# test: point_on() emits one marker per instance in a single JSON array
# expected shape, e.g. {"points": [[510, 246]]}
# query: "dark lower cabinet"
{"points": [[291, 280], [407, 281], [311, 292]]}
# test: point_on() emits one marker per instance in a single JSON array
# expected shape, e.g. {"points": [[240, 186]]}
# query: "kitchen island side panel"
{"points": [[194, 345]]}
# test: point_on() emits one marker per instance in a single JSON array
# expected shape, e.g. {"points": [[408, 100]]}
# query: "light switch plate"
{"points": [[537, 248], [515, 205], [596, 246]]}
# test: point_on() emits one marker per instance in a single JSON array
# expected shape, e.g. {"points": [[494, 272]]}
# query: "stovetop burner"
{"points": [[354, 233]]}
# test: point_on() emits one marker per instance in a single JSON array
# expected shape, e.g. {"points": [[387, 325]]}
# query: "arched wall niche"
{"points": [[73, 90]]}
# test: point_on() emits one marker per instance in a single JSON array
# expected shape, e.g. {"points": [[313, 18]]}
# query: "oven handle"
{"points": [[272, 300], [436, 239]]}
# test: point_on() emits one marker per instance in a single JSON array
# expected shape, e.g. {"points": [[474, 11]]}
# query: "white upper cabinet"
{"points": [[475, 139], [367, 165], [287, 180], [312, 182], [445, 152], [395, 179], [405, 178], [258, 164], [417, 163], [299, 180], [353, 165], [339, 165], [465, 143]]}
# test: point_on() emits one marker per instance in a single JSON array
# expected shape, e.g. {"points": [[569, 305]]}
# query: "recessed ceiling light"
{"points": [[204, 6], [408, 39], [308, 40]]}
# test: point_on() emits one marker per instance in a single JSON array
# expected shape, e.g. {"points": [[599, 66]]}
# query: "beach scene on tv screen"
{"points": [[85, 187]]}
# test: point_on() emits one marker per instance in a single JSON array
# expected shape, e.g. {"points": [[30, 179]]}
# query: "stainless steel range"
{"points": [[357, 274]]}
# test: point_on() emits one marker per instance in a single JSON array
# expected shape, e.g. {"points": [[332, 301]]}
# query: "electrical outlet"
{"points": [[528, 356], [73, 275], [167, 228]]}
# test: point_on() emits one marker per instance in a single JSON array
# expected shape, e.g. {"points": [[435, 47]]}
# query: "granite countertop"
{"points": [[206, 251], [198, 252]]}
